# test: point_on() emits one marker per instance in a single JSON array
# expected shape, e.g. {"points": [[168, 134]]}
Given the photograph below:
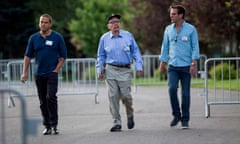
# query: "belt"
{"points": [[121, 66]]}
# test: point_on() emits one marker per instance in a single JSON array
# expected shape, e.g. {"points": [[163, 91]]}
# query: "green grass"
{"points": [[197, 83], [225, 84]]}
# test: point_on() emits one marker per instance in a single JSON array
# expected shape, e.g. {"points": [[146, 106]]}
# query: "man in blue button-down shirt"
{"points": [[180, 49], [116, 51]]}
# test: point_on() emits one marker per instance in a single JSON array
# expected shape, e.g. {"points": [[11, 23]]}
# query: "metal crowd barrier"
{"points": [[3, 69], [224, 75], [18, 134], [14, 71], [152, 76], [78, 76]]}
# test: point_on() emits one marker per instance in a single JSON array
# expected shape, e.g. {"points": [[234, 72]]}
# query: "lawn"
{"points": [[196, 83]]}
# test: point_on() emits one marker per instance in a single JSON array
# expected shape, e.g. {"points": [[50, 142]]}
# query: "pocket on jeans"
{"points": [[54, 74]]}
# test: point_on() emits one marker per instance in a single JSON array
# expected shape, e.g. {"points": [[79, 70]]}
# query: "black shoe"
{"points": [[130, 122], [47, 131], [185, 124], [116, 128], [55, 130], [175, 121]]}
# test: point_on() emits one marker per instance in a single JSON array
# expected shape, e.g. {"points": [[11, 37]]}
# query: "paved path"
{"points": [[84, 122]]}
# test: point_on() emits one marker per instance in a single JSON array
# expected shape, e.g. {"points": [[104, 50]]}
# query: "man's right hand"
{"points": [[100, 76], [162, 68], [23, 78]]}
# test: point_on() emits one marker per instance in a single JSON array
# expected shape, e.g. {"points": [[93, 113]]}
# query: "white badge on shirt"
{"points": [[127, 48], [184, 38], [49, 43]]}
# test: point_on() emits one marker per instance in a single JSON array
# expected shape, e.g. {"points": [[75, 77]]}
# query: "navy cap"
{"points": [[113, 16]]}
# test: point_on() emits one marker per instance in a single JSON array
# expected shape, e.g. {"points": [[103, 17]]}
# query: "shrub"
{"points": [[222, 71]]}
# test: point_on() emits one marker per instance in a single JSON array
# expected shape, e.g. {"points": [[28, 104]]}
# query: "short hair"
{"points": [[180, 9], [47, 16]]}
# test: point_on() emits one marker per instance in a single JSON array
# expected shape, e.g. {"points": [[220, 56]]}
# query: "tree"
{"points": [[150, 19], [90, 21], [217, 21], [62, 12], [17, 23]]}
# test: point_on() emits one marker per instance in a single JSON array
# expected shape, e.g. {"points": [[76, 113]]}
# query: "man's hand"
{"points": [[139, 73], [193, 70], [162, 67], [23, 78], [100, 76]]}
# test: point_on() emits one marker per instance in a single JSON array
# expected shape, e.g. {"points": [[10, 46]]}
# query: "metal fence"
{"points": [[223, 74], [152, 75], [77, 77], [18, 131], [3, 69]]}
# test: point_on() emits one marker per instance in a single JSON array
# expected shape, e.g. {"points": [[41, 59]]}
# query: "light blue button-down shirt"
{"points": [[118, 50], [179, 49]]}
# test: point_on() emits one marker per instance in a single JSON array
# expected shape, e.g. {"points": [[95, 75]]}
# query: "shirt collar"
{"points": [[184, 22], [119, 35]]}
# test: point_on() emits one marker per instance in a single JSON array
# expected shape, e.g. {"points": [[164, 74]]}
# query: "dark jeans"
{"points": [[182, 74], [47, 88]]}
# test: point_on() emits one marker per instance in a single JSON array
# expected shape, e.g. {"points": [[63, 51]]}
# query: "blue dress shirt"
{"points": [[118, 50], [179, 49]]}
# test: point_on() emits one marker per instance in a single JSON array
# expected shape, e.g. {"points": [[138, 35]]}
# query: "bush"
{"points": [[222, 71]]}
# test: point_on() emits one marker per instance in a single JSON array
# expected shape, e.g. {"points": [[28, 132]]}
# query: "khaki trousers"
{"points": [[118, 81]]}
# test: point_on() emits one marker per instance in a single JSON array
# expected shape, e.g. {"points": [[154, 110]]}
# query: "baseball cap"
{"points": [[112, 16]]}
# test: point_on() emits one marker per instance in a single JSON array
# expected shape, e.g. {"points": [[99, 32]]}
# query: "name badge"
{"points": [[127, 48], [49, 43], [184, 38]]}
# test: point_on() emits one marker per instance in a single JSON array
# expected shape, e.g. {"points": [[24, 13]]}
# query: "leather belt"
{"points": [[121, 66]]}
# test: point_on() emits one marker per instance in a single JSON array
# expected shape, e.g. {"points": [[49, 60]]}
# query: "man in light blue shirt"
{"points": [[116, 51], [180, 49]]}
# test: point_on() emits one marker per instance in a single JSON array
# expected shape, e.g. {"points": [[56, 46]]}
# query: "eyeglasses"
{"points": [[114, 22]]}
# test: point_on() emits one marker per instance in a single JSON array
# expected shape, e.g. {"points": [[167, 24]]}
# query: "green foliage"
{"points": [[61, 11], [90, 21], [223, 71], [149, 22], [56, 9], [86, 20]]}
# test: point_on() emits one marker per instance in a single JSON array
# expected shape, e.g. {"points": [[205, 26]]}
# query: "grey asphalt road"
{"points": [[81, 121]]}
